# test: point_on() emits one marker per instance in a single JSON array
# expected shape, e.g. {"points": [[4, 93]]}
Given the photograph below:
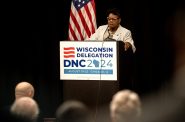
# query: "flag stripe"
{"points": [[69, 56], [69, 52], [90, 18], [86, 17], [79, 22], [69, 48], [93, 15], [82, 21], [70, 37], [77, 26], [72, 33]]}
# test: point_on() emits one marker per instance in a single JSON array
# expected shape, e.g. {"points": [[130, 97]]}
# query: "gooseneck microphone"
{"points": [[109, 37]]}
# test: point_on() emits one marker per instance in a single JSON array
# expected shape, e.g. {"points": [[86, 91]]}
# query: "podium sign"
{"points": [[88, 60]]}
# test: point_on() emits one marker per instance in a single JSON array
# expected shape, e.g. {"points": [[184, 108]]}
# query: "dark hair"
{"points": [[114, 11], [73, 111]]}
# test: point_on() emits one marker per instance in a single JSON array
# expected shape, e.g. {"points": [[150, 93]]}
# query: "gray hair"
{"points": [[25, 107], [125, 106]]}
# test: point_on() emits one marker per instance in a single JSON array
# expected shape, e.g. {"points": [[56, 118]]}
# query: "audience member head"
{"points": [[125, 106], [25, 108], [24, 89], [73, 111]]}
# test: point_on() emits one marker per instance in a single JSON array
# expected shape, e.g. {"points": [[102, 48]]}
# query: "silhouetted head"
{"points": [[72, 111]]}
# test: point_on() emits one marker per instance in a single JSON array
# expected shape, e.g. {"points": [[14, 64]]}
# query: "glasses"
{"points": [[113, 19]]}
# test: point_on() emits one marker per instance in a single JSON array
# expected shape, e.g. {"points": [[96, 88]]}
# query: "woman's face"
{"points": [[113, 21]]}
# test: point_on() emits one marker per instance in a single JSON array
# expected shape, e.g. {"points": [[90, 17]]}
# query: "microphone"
{"points": [[109, 36]]}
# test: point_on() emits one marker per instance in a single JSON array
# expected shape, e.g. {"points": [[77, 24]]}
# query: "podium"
{"points": [[95, 90]]}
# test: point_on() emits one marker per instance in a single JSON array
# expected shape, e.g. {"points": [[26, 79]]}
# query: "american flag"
{"points": [[82, 21]]}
